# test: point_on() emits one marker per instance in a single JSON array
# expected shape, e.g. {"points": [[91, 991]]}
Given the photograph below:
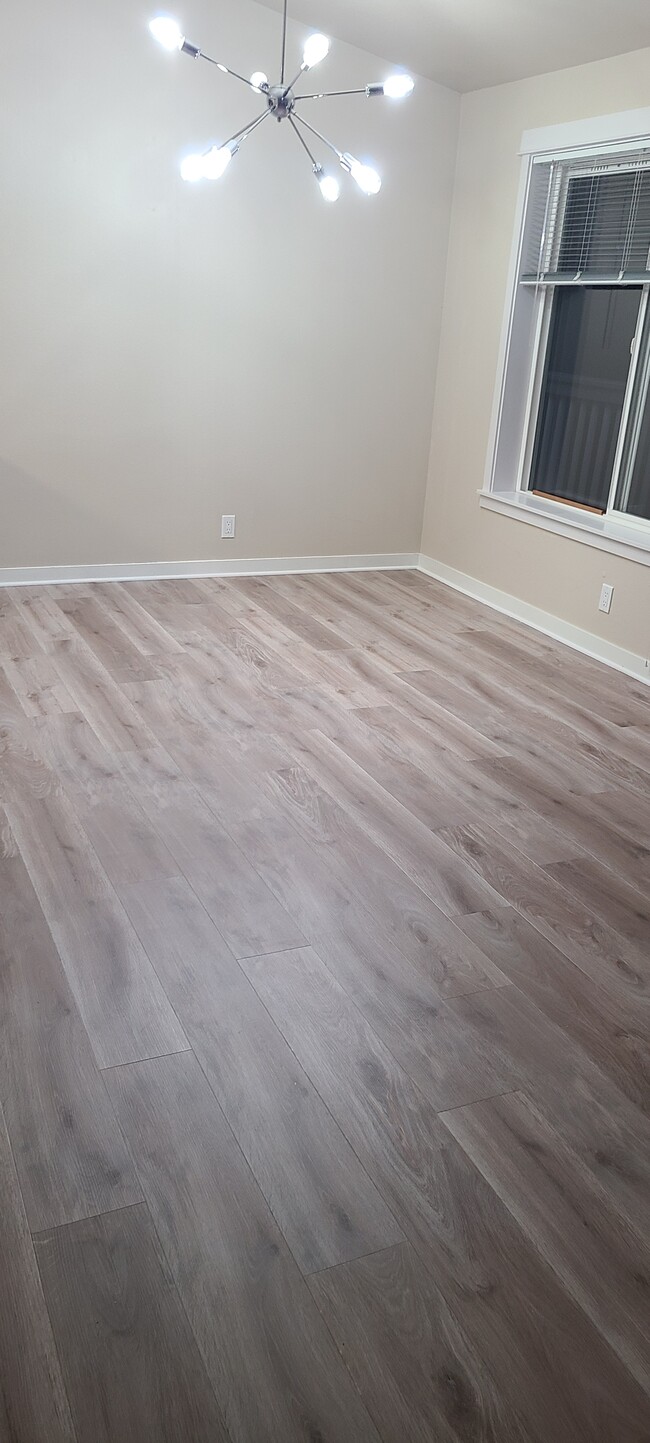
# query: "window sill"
{"points": [[603, 532]]}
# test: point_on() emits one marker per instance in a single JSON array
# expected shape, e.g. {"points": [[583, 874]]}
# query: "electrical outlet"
{"points": [[227, 526], [605, 603]]}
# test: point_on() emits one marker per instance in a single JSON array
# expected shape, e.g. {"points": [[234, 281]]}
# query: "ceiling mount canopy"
{"points": [[283, 102]]}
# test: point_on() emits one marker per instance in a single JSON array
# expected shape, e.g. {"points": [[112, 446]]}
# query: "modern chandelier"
{"points": [[282, 102]]}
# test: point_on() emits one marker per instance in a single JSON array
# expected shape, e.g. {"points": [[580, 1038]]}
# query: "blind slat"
{"points": [[588, 223]]}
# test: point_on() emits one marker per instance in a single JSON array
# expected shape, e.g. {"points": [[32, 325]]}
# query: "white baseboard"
{"points": [[574, 636], [168, 570]]}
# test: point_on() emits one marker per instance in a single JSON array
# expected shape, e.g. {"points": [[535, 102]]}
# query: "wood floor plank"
{"points": [[605, 1024], [548, 1360], [69, 1152], [130, 1362], [600, 1260], [33, 1402], [269, 1356], [403, 1002], [622, 907], [122, 1005], [416, 1369], [604, 1129], [108, 641], [375, 853], [38, 686], [581, 820], [602, 953], [97, 696], [437, 797], [318, 1193], [248, 915]]}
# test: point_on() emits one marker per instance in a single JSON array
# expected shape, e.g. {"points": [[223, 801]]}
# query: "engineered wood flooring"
{"points": [[324, 1047]]}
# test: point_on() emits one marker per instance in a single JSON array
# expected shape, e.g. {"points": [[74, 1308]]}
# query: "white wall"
{"points": [[554, 573], [171, 352]]}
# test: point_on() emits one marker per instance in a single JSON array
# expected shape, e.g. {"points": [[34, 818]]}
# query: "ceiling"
{"points": [[471, 43]]}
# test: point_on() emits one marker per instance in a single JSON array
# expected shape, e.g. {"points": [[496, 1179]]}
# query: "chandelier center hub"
{"points": [[281, 101]]}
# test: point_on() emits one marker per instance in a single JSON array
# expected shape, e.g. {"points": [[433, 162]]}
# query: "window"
{"points": [[573, 417]]}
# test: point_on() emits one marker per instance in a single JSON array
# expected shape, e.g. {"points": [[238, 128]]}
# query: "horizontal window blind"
{"points": [[588, 222]]}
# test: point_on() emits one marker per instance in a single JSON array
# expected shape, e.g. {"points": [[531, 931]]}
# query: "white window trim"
{"points": [[622, 535]]}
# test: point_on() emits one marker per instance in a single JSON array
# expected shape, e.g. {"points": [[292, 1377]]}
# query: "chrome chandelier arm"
{"points": [[201, 55], [247, 130], [284, 43], [301, 121], [330, 94], [303, 142]]}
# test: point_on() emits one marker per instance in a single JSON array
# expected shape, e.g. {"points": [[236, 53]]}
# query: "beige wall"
{"points": [[169, 353], [559, 575]]}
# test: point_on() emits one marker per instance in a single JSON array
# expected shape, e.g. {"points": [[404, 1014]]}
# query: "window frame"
{"points": [[523, 350]]}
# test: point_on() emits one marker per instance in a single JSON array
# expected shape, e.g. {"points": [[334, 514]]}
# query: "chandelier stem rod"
{"points": [[247, 130], [226, 69], [303, 143], [329, 94], [284, 42], [318, 135]]}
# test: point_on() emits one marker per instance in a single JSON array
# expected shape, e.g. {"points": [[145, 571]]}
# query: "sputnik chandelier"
{"points": [[282, 102]]}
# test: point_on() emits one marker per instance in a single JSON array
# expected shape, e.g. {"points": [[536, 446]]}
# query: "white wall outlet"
{"points": [[228, 527], [605, 603]]}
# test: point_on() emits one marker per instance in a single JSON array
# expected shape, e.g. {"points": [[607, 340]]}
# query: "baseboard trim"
{"points": [[170, 570], [574, 636]]}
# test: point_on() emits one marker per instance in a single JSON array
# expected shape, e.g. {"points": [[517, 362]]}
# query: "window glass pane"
{"points": [[583, 389], [634, 487]]}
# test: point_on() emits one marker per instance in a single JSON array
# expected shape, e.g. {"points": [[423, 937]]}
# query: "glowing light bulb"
{"points": [[366, 178], [316, 48], [167, 32], [397, 87], [259, 80], [192, 167], [216, 161], [330, 188]]}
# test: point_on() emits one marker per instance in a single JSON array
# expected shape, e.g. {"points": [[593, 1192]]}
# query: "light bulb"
{"points": [[366, 178], [330, 188], [259, 80], [216, 160], [192, 167], [397, 87], [316, 48], [167, 32]]}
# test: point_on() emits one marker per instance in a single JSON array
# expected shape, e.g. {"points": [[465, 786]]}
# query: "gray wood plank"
{"points": [[70, 1154], [319, 1194], [131, 1365], [33, 1402], [268, 1353]]}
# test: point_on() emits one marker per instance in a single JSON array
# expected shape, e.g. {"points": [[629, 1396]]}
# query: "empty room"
{"points": [[325, 722]]}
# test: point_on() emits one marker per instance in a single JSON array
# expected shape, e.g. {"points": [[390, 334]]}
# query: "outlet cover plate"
{"points": [[607, 592], [227, 526]]}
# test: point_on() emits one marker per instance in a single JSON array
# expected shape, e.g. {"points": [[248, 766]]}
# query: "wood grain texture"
{"points": [[69, 1151], [601, 1261], [33, 1402], [123, 1007], [290, 866], [268, 1353], [130, 1362], [550, 1365], [414, 1366], [331, 1211]]}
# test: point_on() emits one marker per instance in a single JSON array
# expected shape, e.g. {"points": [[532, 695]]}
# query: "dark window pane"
{"points": [[634, 489], [585, 375]]}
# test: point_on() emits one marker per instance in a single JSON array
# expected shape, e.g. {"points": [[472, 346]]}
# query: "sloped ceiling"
{"points": [[468, 44]]}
